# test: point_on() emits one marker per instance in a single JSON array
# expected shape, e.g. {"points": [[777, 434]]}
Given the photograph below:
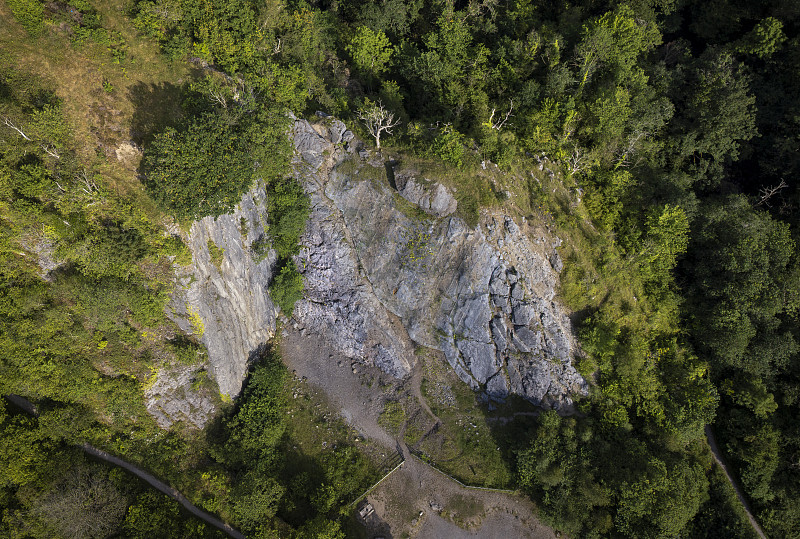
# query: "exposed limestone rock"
{"points": [[376, 277], [379, 280], [339, 303], [227, 305], [433, 198], [173, 396], [45, 250]]}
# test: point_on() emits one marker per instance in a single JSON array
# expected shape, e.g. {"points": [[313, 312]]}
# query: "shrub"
{"points": [[287, 288], [216, 253], [200, 170], [29, 13], [288, 208], [449, 146]]}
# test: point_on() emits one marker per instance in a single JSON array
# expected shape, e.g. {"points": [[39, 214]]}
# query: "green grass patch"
{"points": [[416, 427], [464, 445], [464, 509], [216, 253], [393, 417]]}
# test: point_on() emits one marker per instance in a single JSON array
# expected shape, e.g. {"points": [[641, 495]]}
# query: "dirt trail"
{"points": [[416, 390], [712, 442], [29, 408], [413, 500]]}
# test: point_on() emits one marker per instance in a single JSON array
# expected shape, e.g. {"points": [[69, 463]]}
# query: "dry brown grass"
{"points": [[101, 121]]}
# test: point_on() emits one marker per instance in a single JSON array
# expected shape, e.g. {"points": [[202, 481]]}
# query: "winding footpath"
{"points": [[29, 407], [712, 443]]}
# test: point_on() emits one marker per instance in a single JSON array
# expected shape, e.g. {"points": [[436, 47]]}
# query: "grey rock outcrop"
{"points": [[433, 198], [339, 303], [174, 396], [225, 302], [377, 278]]}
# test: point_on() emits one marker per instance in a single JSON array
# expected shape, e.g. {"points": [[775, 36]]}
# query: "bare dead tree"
{"points": [[51, 150], [476, 8], [377, 119], [577, 161], [88, 185], [217, 95], [7, 122], [768, 192], [167, 12], [83, 503], [245, 95], [500, 123], [630, 149]]}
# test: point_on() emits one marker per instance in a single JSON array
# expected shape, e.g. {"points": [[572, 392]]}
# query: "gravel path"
{"points": [[496, 525], [360, 405]]}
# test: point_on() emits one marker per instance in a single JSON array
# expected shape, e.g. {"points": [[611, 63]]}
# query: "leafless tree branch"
{"points": [[377, 120], [500, 123], [8, 123], [768, 192], [577, 161], [51, 150]]}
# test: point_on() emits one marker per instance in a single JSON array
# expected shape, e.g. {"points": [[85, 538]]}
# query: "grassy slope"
{"points": [[140, 86]]}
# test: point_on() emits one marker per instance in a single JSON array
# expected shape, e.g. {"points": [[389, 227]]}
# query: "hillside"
{"points": [[266, 251]]}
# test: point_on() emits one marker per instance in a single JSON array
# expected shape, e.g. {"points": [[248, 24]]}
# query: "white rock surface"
{"points": [[232, 301]]}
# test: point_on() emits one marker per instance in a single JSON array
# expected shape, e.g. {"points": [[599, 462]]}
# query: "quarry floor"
{"points": [[416, 501]]}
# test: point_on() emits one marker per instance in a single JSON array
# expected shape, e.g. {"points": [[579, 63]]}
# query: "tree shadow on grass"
{"points": [[157, 106]]}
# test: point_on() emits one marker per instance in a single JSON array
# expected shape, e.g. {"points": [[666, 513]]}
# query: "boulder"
{"points": [[432, 197]]}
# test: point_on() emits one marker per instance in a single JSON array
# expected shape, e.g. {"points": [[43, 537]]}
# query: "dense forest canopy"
{"points": [[676, 127]]}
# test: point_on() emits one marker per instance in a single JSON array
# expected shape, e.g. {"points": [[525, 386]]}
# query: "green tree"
{"points": [[202, 169], [717, 115], [287, 210], [371, 51], [663, 500], [259, 422], [223, 32], [613, 43], [557, 469], [667, 237], [763, 40], [256, 500], [320, 527], [452, 68], [741, 264]]}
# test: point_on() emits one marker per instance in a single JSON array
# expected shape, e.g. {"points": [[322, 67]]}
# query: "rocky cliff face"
{"points": [[382, 276], [379, 278], [222, 297]]}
